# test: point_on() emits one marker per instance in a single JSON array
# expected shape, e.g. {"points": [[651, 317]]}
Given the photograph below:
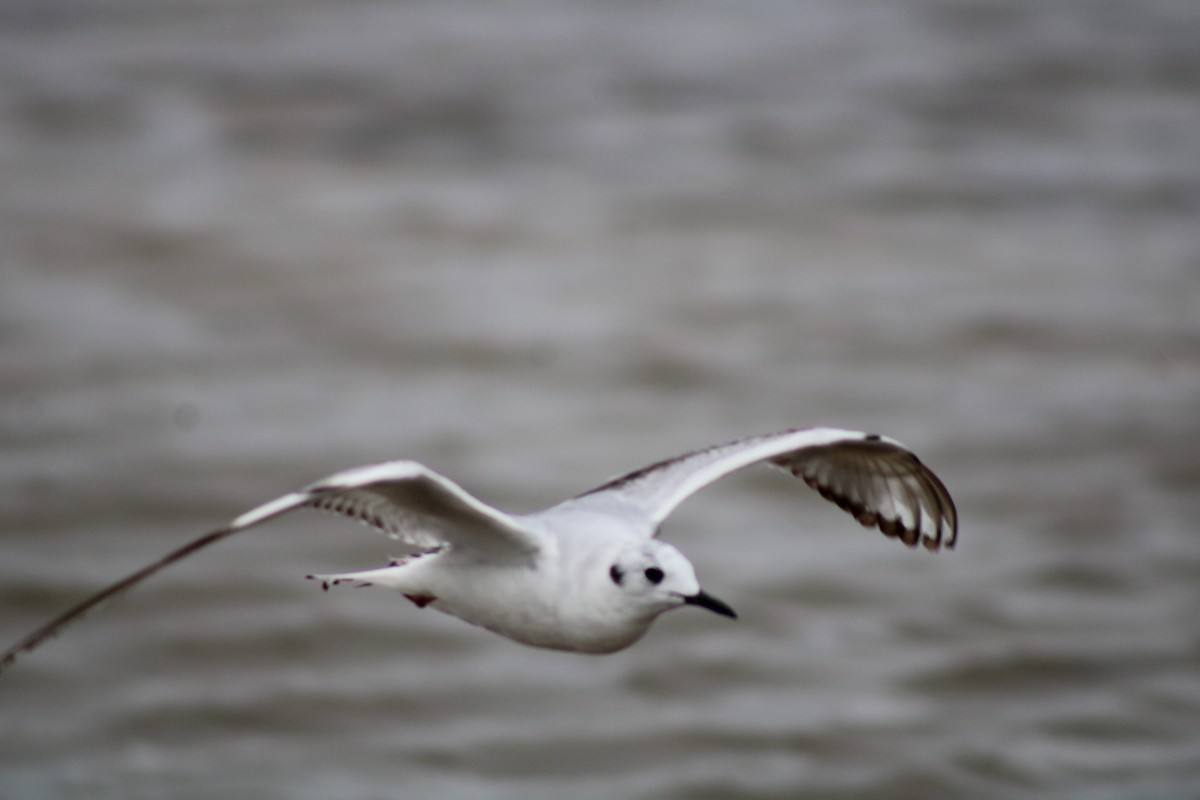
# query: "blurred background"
{"points": [[535, 243]]}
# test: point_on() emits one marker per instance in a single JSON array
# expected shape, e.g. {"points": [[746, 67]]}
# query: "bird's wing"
{"points": [[875, 478], [402, 498], [409, 502]]}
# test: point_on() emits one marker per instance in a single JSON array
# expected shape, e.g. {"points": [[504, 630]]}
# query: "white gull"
{"points": [[587, 575]]}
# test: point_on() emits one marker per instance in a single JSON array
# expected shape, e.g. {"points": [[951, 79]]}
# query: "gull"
{"points": [[588, 575]]}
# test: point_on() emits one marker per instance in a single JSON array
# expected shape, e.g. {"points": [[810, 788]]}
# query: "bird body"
{"points": [[553, 598], [587, 575]]}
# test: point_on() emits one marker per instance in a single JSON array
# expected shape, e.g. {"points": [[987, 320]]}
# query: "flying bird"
{"points": [[587, 575]]}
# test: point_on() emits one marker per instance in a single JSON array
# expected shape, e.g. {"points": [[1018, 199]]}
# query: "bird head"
{"points": [[656, 576]]}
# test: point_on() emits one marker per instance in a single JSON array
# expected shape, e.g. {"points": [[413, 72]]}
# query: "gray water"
{"points": [[533, 244]]}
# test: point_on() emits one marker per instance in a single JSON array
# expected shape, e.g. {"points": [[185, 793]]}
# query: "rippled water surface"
{"points": [[533, 244]]}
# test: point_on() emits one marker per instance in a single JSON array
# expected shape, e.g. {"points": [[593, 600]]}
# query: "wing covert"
{"points": [[414, 504]]}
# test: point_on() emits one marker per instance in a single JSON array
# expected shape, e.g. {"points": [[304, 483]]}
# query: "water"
{"points": [[534, 244]]}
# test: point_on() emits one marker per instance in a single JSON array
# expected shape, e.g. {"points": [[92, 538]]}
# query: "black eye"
{"points": [[654, 574], [615, 573]]}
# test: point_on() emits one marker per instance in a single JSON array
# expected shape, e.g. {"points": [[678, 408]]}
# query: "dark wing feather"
{"points": [[881, 485], [874, 478]]}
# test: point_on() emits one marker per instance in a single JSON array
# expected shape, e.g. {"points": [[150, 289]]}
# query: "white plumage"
{"points": [[588, 574]]}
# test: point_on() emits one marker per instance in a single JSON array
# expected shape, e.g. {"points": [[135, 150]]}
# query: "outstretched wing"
{"points": [[410, 502], [875, 478], [401, 498]]}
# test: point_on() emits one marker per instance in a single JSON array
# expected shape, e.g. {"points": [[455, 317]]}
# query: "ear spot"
{"points": [[654, 574], [616, 574]]}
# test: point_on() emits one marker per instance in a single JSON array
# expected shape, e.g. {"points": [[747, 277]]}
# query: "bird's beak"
{"points": [[706, 600]]}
